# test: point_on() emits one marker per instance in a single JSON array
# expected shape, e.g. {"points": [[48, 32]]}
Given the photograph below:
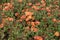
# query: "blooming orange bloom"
{"points": [[20, 20], [10, 19], [9, 5], [33, 18], [3, 21], [23, 17], [42, 8], [35, 7], [38, 4], [57, 34], [37, 22], [20, 1], [33, 24], [6, 8], [44, 5], [28, 18], [29, 4], [54, 20], [28, 13], [48, 9], [34, 29], [38, 38], [1, 25], [58, 20]]}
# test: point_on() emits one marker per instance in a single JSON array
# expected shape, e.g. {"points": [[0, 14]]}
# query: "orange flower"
{"points": [[28, 18], [20, 1], [33, 18], [54, 20], [35, 7], [33, 24], [23, 17], [1, 25], [20, 20], [37, 22], [34, 29], [6, 8], [29, 4], [42, 8], [38, 4], [3, 21], [58, 20], [10, 19], [43, 5], [28, 13], [48, 9], [9, 5], [57, 34], [56, 2], [38, 38]]}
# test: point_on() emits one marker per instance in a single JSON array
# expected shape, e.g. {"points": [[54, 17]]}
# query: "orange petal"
{"points": [[28, 13], [38, 38], [57, 34], [1, 25], [10, 19]]}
